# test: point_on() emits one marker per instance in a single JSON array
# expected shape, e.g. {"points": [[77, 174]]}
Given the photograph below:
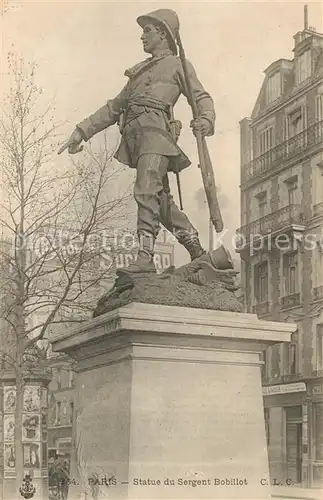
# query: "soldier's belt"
{"points": [[130, 113], [149, 103]]}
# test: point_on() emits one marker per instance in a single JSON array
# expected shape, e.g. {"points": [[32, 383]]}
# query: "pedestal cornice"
{"points": [[148, 331]]}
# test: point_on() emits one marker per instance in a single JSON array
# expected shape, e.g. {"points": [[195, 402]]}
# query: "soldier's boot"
{"points": [[193, 246], [145, 258], [220, 258]]}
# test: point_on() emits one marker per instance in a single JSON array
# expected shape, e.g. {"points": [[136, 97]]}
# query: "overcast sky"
{"points": [[82, 49]]}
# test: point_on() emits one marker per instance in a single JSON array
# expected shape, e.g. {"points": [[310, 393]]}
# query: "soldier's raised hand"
{"points": [[73, 144]]}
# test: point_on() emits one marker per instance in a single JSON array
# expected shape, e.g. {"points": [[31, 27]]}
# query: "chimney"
{"points": [[305, 17]]}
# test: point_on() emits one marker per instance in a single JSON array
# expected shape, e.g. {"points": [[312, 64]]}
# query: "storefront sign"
{"points": [[271, 390], [162, 260]]}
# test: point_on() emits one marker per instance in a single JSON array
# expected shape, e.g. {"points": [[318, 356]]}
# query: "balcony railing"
{"points": [[282, 378], [261, 308], [292, 147], [318, 293], [270, 223], [291, 377], [291, 300], [318, 209]]}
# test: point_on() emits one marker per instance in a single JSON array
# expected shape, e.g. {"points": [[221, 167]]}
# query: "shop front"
{"points": [[294, 427], [287, 432], [315, 396]]}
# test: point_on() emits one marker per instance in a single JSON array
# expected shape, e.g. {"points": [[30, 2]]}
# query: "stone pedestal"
{"points": [[169, 402]]}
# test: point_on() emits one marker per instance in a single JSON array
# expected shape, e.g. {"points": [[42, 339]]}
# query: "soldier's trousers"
{"points": [[155, 203]]}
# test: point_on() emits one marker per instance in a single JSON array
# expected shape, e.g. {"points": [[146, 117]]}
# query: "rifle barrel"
{"points": [[202, 149]]}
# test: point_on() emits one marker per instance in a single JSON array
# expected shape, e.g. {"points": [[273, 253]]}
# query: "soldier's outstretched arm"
{"points": [[204, 101], [103, 118]]}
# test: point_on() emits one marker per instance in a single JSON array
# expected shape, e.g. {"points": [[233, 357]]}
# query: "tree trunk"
{"points": [[18, 421]]}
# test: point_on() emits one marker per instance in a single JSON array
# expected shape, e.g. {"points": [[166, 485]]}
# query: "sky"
{"points": [[82, 49]]}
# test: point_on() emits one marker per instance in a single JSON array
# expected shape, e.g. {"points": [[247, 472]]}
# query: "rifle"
{"points": [[205, 163]]}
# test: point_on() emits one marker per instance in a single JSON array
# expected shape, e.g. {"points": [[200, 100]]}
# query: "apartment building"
{"points": [[281, 250]]}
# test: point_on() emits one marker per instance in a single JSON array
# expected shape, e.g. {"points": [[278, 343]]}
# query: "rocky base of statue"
{"points": [[206, 283]]}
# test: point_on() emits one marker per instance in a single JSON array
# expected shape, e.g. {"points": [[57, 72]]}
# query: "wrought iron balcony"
{"points": [[318, 209], [292, 147], [271, 223], [292, 377], [282, 378], [291, 300], [261, 308]]}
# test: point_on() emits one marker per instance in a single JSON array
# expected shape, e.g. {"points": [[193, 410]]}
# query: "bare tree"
{"points": [[56, 221]]}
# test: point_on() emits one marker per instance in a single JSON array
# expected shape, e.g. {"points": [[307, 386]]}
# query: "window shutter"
{"points": [[319, 108], [271, 138], [286, 128], [285, 271], [256, 282], [304, 117]]}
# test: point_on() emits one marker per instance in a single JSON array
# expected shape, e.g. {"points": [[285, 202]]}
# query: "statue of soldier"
{"points": [[144, 112]]}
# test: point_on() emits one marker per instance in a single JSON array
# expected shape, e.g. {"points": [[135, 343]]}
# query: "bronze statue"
{"points": [[144, 112]]}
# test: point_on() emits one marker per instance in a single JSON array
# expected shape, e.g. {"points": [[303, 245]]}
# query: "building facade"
{"points": [[281, 250]]}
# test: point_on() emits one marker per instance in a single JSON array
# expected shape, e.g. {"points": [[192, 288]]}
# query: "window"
{"points": [[318, 268], [319, 116], [319, 347], [261, 282], [292, 187], [291, 366], [64, 408], [64, 417], [275, 371], [303, 66], [59, 378], [71, 412], [273, 87], [290, 363], [266, 140], [318, 431], [262, 203], [58, 413], [296, 121], [319, 108], [290, 273], [292, 358], [70, 378], [295, 124]]}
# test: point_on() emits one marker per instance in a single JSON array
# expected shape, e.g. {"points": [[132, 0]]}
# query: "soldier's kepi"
{"points": [[144, 112]]}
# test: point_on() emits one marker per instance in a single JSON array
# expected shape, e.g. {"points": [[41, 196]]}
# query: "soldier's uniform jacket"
{"points": [[143, 110]]}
